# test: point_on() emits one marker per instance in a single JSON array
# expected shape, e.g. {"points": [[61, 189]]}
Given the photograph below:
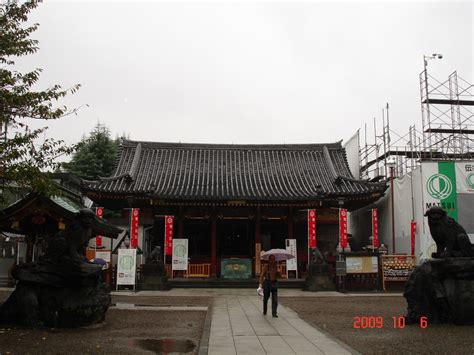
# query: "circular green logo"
{"points": [[179, 250], [470, 180], [439, 186], [126, 262]]}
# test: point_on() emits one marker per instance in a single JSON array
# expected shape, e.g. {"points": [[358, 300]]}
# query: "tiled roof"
{"points": [[61, 206], [218, 172]]}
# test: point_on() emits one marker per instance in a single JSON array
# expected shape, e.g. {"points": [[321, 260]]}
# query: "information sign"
{"points": [[180, 254], [291, 264], [397, 267], [126, 266]]}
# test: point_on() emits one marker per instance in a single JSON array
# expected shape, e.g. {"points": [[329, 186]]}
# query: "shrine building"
{"points": [[232, 201]]}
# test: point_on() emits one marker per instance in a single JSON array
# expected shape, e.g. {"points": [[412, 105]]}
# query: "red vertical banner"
{"points": [[99, 211], [312, 229], [375, 228], [169, 222], [413, 235], [134, 228], [343, 227]]}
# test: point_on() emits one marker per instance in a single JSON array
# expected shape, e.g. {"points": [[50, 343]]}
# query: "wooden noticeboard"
{"points": [[397, 267], [362, 264]]}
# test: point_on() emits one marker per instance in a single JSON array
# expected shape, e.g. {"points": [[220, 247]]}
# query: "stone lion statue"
{"points": [[155, 256], [450, 237]]}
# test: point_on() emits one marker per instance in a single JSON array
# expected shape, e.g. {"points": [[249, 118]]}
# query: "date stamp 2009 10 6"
{"points": [[377, 322]]}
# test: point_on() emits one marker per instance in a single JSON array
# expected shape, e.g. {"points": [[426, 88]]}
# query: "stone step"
{"points": [[223, 283]]}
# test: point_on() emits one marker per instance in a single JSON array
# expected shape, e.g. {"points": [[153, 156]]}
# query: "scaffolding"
{"points": [[447, 118], [446, 134]]}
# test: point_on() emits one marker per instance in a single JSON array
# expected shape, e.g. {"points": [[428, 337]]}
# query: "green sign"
{"points": [[236, 268], [441, 187]]}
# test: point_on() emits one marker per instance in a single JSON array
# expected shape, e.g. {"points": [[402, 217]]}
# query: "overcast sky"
{"points": [[246, 72]]}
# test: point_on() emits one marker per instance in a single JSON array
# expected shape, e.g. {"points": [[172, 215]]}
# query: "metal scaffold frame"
{"points": [[447, 117], [447, 131]]}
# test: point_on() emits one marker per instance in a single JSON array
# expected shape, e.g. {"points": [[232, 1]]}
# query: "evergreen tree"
{"points": [[23, 159], [95, 155]]}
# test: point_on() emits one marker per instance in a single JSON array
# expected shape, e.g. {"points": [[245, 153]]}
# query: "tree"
{"points": [[23, 159], [95, 155]]}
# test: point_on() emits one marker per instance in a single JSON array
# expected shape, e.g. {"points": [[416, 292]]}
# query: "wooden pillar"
{"points": [[290, 223], [213, 243], [257, 226], [180, 222], [258, 242]]}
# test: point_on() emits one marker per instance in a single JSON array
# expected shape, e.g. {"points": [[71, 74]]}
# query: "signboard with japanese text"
{"points": [[134, 228], [180, 254], [126, 266], [362, 264], [412, 236], [169, 225], [104, 255], [343, 227], [312, 229], [375, 229], [291, 264], [397, 267]]}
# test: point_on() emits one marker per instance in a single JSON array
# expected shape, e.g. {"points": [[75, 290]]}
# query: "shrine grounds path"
{"points": [[308, 323]]}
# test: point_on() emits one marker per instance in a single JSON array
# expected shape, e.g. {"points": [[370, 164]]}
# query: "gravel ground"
{"points": [[122, 333], [336, 316]]}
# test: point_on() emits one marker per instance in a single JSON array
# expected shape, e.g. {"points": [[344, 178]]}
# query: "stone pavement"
{"points": [[239, 327]]}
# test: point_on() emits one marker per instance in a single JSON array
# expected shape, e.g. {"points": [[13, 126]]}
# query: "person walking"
{"points": [[269, 281]]}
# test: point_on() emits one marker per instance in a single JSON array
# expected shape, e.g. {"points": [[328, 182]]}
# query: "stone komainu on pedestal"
{"points": [[318, 273], [154, 275], [442, 289], [62, 289]]}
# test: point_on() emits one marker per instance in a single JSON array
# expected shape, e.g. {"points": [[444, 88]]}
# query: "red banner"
{"points": [[312, 229], [134, 228], [413, 235], [343, 227], [169, 221], [99, 211], [375, 228]]}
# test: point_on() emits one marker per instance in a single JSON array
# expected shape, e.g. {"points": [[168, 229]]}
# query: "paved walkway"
{"points": [[239, 327]]}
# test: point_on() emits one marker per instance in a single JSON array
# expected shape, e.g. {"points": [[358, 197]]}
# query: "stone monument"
{"points": [[62, 289], [318, 273], [154, 274], [442, 289]]}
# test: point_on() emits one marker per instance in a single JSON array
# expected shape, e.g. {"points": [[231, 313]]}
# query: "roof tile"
{"points": [[252, 172]]}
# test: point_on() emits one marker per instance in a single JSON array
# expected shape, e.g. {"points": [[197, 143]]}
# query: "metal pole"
{"points": [[412, 133], [392, 198], [384, 144], [425, 64], [388, 128], [376, 150]]}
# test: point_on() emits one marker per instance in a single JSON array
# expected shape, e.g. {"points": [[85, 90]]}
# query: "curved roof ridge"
{"points": [[368, 182], [178, 145]]}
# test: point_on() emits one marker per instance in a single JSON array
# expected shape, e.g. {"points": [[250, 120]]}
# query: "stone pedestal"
{"points": [[48, 296], [442, 290], [153, 278], [320, 282], [318, 279]]}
